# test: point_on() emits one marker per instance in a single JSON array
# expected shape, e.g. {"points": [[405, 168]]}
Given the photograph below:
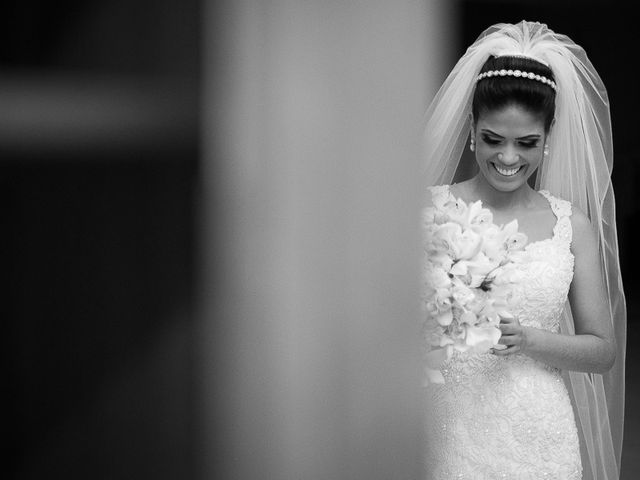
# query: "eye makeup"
{"points": [[528, 141]]}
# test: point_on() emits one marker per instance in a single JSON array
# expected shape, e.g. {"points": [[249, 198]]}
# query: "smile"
{"points": [[507, 172]]}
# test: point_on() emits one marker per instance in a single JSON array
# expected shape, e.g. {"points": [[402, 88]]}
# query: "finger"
{"points": [[509, 329], [507, 340], [507, 351], [510, 340], [509, 321]]}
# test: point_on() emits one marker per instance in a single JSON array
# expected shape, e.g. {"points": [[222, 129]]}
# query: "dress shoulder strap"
{"points": [[562, 210], [438, 189], [438, 192]]}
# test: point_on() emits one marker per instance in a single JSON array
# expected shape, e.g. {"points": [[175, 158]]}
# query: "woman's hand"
{"points": [[513, 337]]}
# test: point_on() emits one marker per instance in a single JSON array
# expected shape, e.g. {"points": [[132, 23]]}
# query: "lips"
{"points": [[507, 172]]}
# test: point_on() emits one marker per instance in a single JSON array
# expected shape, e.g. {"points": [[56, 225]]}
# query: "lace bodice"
{"points": [[511, 417]]}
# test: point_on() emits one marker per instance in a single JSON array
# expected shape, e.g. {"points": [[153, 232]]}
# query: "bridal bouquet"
{"points": [[469, 271]]}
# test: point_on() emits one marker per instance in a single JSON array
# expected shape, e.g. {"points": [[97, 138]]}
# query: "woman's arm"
{"points": [[592, 348]]}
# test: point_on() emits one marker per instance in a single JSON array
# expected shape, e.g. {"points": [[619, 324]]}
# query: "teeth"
{"points": [[507, 172]]}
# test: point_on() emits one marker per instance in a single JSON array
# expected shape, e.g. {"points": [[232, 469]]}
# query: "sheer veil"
{"points": [[578, 169]]}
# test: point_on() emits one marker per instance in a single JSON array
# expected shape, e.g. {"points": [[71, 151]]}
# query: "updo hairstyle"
{"points": [[496, 92]]}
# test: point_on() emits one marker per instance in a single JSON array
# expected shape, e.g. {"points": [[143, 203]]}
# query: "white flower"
{"points": [[440, 259], [461, 293], [507, 274], [493, 244], [468, 245], [438, 277], [440, 197], [444, 237], [470, 268], [480, 267], [517, 241], [468, 317], [444, 316], [456, 209], [482, 338], [477, 304], [481, 219]]}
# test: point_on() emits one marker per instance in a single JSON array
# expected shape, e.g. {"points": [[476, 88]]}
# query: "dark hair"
{"points": [[497, 92]]}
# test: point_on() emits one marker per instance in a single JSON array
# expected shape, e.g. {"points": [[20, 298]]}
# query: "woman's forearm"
{"points": [[581, 353]]}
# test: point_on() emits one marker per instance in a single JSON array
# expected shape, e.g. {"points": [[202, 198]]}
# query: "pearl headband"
{"points": [[518, 73]]}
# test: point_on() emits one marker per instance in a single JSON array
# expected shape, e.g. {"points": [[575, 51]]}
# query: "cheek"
{"points": [[485, 151], [534, 156], [486, 155]]}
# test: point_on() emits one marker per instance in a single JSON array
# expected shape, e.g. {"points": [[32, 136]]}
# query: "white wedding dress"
{"points": [[510, 417]]}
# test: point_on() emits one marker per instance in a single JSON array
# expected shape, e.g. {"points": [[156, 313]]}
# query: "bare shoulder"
{"points": [[580, 223], [583, 236]]}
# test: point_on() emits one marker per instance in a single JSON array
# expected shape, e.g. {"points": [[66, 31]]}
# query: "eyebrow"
{"points": [[526, 137]]}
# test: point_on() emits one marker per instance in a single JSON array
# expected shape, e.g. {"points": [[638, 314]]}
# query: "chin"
{"points": [[507, 186]]}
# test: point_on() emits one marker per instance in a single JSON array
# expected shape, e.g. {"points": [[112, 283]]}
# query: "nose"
{"points": [[508, 157]]}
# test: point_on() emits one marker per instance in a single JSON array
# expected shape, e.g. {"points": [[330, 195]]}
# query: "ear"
{"points": [[472, 125]]}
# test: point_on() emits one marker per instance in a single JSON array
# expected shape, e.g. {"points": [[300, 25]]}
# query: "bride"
{"points": [[547, 400]]}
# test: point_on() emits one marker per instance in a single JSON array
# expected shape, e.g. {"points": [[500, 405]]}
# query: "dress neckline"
{"points": [[547, 195]]}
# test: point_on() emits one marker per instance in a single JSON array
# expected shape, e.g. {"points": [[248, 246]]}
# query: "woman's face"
{"points": [[509, 146]]}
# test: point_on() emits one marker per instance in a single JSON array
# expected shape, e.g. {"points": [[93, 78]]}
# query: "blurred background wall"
{"points": [[308, 329], [208, 231], [99, 158]]}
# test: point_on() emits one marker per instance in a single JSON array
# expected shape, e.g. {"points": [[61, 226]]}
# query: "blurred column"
{"points": [[308, 344]]}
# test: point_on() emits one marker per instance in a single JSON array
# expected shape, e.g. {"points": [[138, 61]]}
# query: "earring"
{"points": [[472, 145], [546, 150]]}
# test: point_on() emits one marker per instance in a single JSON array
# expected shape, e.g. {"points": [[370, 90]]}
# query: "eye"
{"points": [[529, 144], [489, 140]]}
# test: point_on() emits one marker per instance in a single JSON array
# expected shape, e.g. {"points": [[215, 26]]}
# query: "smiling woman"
{"points": [[534, 405], [508, 158]]}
